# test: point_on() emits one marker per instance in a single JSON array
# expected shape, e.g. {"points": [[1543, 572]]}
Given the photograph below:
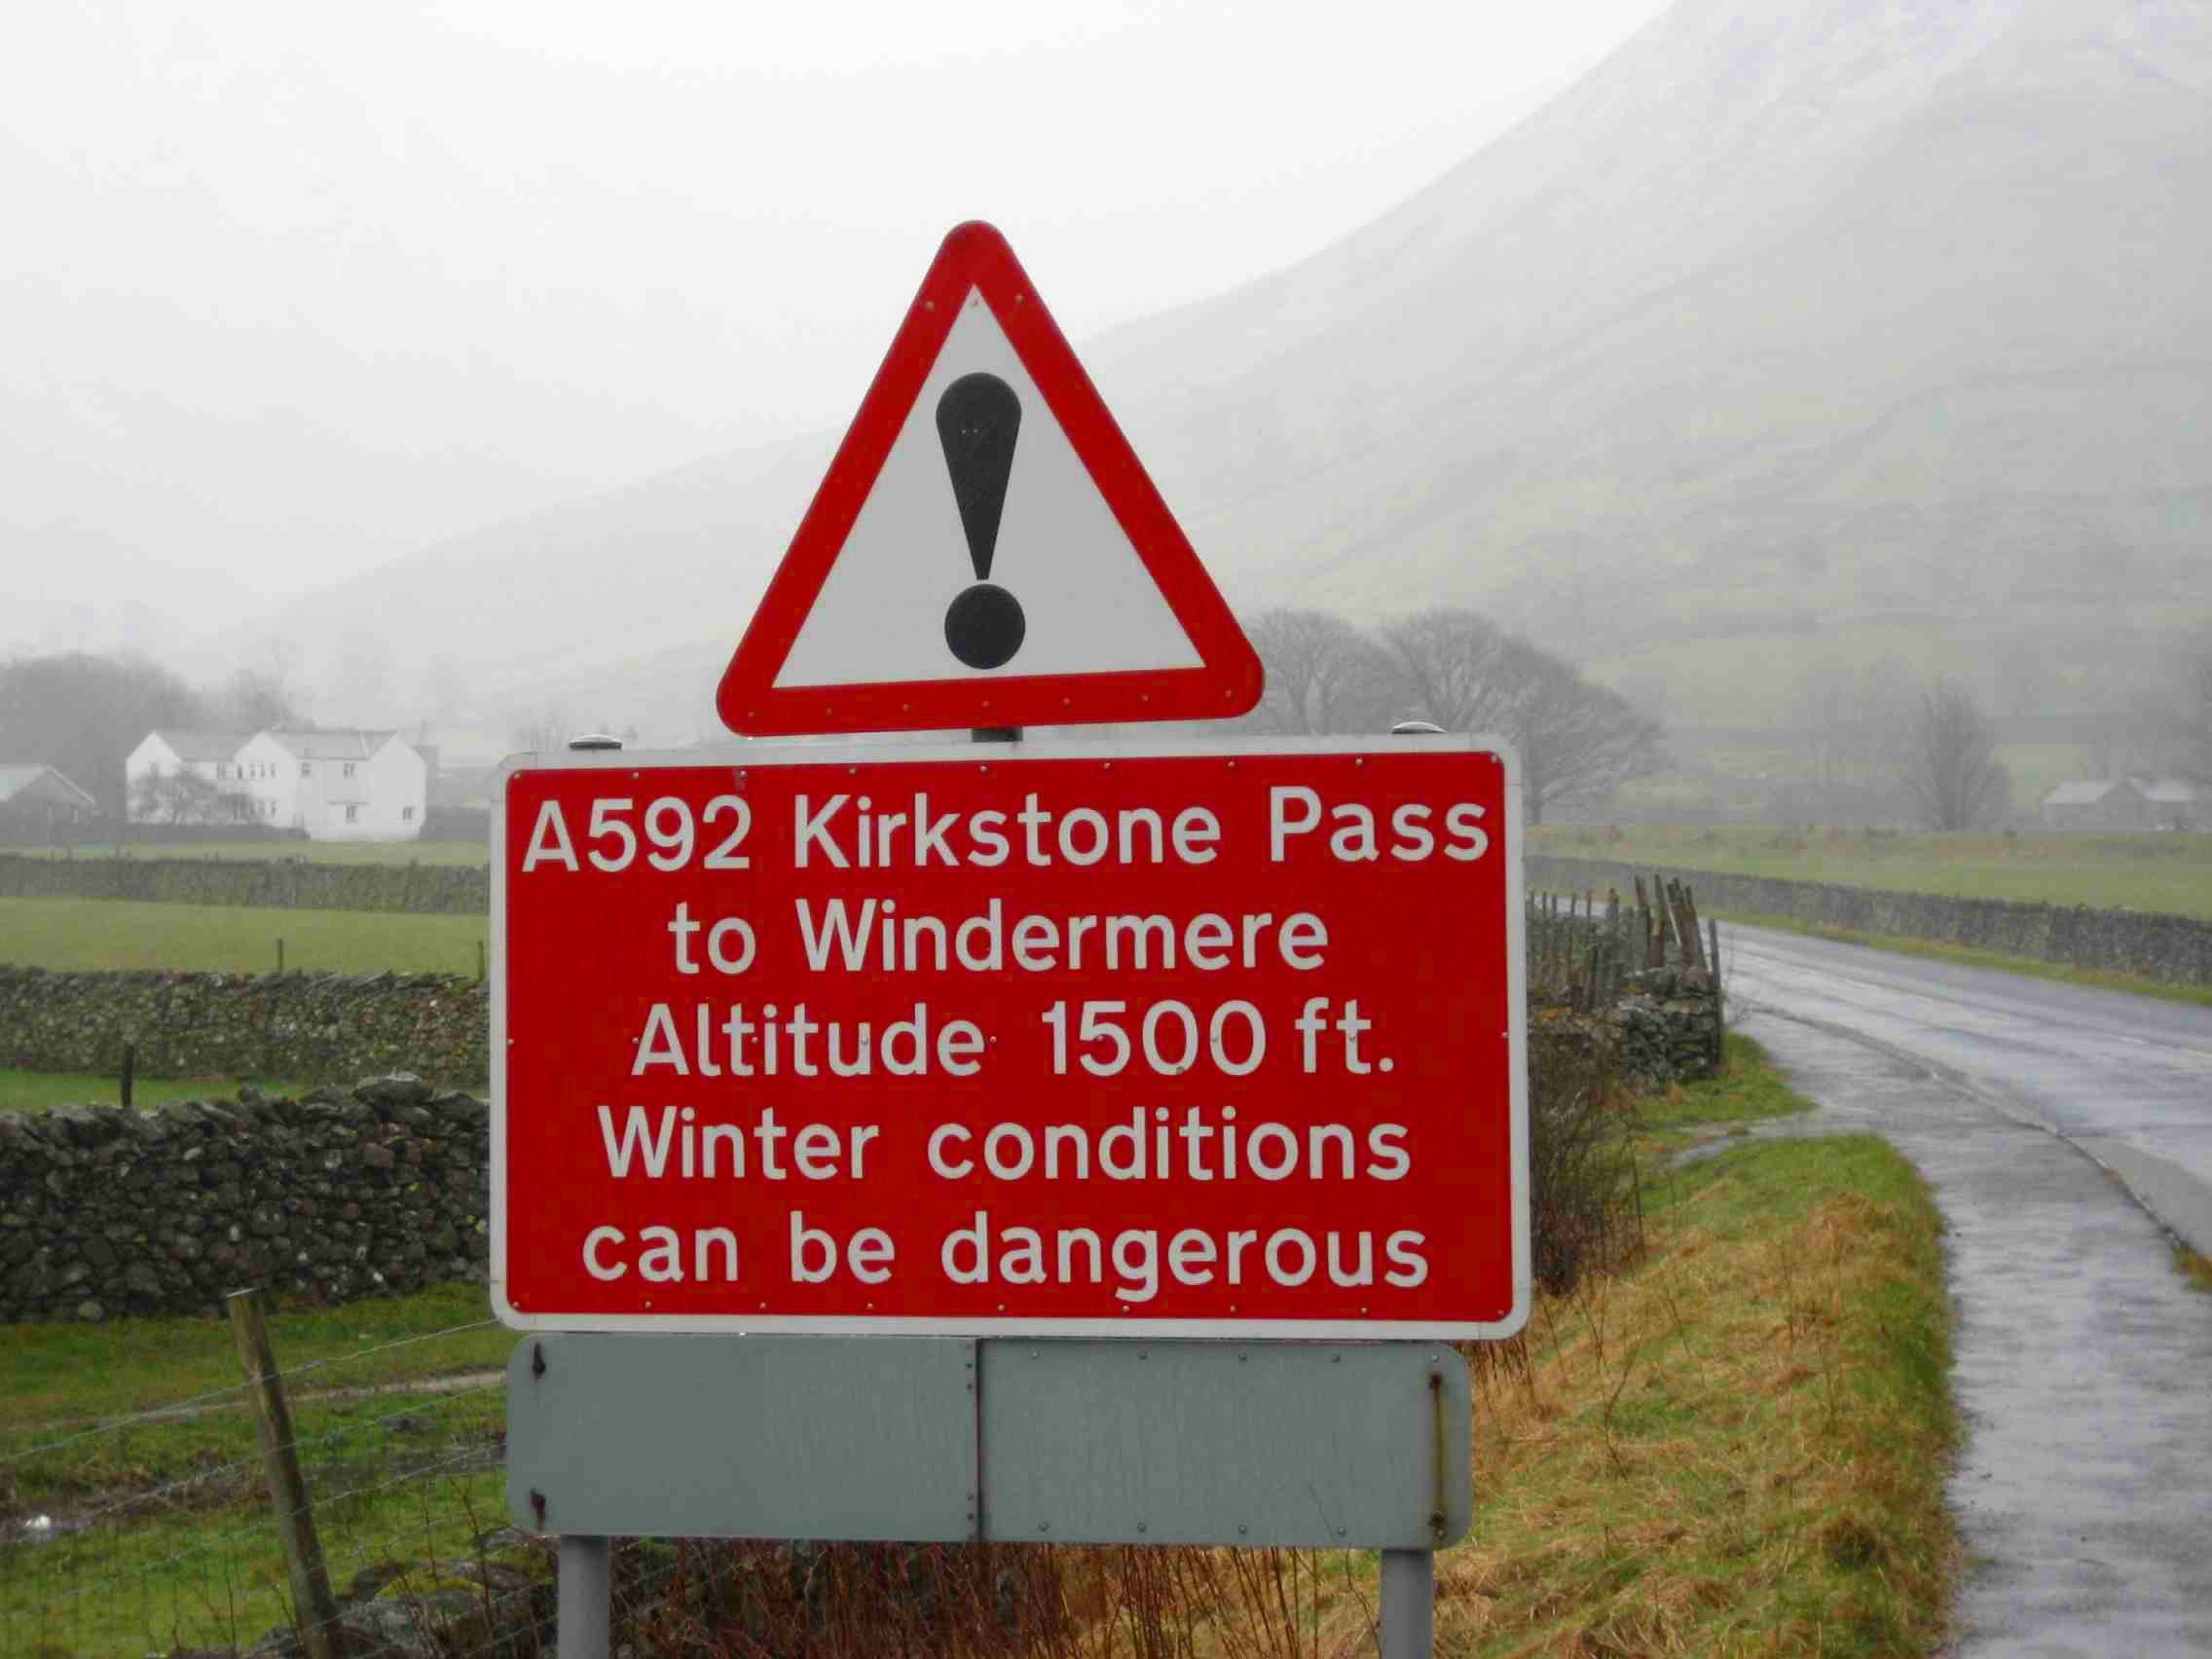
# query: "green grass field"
{"points": [[397, 1477], [108, 933], [314, 852], [2168, 873]]}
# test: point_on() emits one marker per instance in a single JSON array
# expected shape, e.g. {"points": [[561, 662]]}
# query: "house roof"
{"points": [[332, 745], [2169, 792], [201, 745], [2086, 793], [19, 776]]}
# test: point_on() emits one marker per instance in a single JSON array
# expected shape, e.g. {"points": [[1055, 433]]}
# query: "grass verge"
{"points": [[1747, 1090], [35, 1092], [1737, 1445], [111, 933], [77, 1375]]}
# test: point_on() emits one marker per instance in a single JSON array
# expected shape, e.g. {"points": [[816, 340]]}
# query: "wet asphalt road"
{"points": [[2084, 1364]]}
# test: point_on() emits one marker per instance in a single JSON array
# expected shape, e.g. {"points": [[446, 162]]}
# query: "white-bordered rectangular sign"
{"points": [[1082, 1039]]}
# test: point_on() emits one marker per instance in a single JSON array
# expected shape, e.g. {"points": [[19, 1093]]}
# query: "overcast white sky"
{"points": [[286, 289]]}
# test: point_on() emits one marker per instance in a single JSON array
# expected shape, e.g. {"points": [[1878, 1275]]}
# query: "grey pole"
{"points": [[1409, 1605], [586, 1591], [1409, 1577]]}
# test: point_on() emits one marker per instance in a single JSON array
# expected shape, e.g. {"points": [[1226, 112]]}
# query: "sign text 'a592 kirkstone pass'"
{"points": [[1081, 1039]]}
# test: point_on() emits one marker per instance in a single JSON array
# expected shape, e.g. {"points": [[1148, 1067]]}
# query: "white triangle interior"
{"points": [[1089, 604]]}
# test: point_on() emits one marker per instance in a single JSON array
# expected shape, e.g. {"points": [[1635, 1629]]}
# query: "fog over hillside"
{"points": [[1817, 329]]}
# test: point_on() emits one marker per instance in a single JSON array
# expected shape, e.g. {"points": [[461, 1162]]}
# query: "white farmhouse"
{"points": [[184, 777], [338, 785]]}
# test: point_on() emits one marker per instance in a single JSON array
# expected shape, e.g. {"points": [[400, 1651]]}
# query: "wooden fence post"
{"points": [[312, 1603], [1720, 996]]}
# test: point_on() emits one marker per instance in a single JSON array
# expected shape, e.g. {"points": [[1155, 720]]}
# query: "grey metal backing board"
{"points": [[762, 1437], [1080, 1441], [1226, 1443]]}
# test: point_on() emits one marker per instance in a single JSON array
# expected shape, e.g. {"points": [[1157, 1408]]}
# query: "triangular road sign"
{"points": [[986, 551]]}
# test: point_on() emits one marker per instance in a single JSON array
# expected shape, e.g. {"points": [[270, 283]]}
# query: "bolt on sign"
{"points": [[1093, 1039]]}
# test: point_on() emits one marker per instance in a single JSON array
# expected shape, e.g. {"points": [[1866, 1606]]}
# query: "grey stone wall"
{"points": [[1667, 1027], [308, 1026], [2174, 949], [105, 1212], [293, 883]]}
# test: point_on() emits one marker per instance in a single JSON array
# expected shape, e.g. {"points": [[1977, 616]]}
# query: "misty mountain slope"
{"points": [[1993, 304], [516, 612], [1799, 330]]}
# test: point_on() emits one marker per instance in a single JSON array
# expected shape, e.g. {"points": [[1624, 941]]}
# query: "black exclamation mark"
{"points": [[977, 419]]}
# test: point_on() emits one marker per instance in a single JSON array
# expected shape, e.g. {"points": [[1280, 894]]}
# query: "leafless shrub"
{"points": [[1585, 1211]]}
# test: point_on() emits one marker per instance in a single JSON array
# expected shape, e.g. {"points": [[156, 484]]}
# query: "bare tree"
{"points": [[1577, 741], [1323, 675], [1950, 766], [1455, 669], [184, 797], [81, 714]]}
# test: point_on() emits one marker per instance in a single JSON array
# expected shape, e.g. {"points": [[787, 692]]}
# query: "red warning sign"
{"points": [[986, 549]]}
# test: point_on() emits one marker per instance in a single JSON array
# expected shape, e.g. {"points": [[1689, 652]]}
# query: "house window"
{"points": [[406, 815], [306, 769], [353, 814]]}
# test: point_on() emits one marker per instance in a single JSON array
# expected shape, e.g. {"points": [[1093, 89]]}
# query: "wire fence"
{"points": [[1586, 950], [153, 1533]]}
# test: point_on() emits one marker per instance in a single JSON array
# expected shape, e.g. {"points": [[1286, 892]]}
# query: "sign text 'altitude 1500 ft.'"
{"points": [[1047, 1039]]}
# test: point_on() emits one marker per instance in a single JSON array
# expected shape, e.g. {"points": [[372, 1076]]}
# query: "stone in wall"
{"points": [[264, 1025], [107, 1211]]}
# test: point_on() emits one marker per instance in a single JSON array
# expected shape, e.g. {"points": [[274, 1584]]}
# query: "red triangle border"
{"points": [[1229, 679]]}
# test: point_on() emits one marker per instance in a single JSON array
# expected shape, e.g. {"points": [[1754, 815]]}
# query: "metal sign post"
{"points": [[1055, 1142], [585, 1596], [1409, 1605]]}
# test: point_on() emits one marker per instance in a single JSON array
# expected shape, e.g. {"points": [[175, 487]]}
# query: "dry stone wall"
{"points": [[299, 884], [2175, 949], [105, 1212], [308, 1026]]}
